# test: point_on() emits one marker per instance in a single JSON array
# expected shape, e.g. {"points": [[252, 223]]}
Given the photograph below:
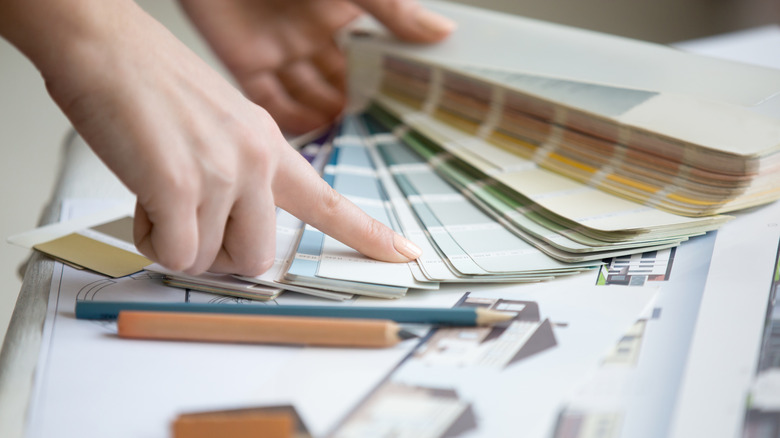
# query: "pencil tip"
{"points": [[489, 316], [406, 334]]}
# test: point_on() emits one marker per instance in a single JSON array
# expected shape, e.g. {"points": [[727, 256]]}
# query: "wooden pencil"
{"points": [[265, 329]]}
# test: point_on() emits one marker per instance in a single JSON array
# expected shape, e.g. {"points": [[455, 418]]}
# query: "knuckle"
{"points": [[257, 155], [220, 175], [174, 260], [255, 138], [332, 201], [375, 231], [167, 186], [176, 181], [260, 93], [201, 264], [246, 65], [257, 266], [335, 74], [263, 91], [218, 167]]}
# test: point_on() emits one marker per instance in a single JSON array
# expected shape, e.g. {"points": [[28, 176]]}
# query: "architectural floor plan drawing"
{"points": [[467, 361], [550, 368]]}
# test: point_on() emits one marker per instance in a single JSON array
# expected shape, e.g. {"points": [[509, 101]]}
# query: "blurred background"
{"points": [[661, 21], [32, 127]]}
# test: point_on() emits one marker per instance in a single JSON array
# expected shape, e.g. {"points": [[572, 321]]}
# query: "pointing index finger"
{"points": [[302, 192]]}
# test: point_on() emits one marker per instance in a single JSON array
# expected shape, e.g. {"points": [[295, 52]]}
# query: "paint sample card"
{"points": [[596, 213], [450, 197], [361, 186], [669, 148], [101, 242], [93, 254], [355, 177], [473, 243]]}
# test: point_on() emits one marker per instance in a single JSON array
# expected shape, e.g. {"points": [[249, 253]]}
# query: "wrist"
{"points": [[55, 34]]}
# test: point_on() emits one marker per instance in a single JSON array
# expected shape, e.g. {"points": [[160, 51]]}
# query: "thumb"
{"points": [[409, 20]]}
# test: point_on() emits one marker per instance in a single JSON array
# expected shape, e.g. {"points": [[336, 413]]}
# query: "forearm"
{"points": [[66, 38], [47, 31]]}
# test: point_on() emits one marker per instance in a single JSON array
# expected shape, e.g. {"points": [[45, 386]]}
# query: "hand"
{"points": [[283, 54], [208, 166]]}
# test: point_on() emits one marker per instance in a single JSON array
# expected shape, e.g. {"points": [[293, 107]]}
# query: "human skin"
{"points": [[283, 55], [207, 164]]}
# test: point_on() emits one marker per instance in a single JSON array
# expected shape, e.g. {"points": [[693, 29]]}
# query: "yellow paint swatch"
{"points": [[94, 255]]}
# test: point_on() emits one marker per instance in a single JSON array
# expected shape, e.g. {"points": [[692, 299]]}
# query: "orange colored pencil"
{"points": [[263, 329]]}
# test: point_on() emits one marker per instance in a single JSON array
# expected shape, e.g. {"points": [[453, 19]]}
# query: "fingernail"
{"points": [[406, 247], [433, 22]]}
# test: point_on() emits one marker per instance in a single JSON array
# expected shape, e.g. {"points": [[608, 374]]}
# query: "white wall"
{"points": [[663, 21]]}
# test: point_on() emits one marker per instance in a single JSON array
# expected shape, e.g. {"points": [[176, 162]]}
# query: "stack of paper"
{"points": [[682, 133]]}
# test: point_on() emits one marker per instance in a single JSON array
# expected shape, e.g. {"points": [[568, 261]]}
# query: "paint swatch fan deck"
{"points": [[682, 133]]}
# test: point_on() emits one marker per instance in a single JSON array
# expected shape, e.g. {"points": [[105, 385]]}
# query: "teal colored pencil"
{"points": [[456, 316]]}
